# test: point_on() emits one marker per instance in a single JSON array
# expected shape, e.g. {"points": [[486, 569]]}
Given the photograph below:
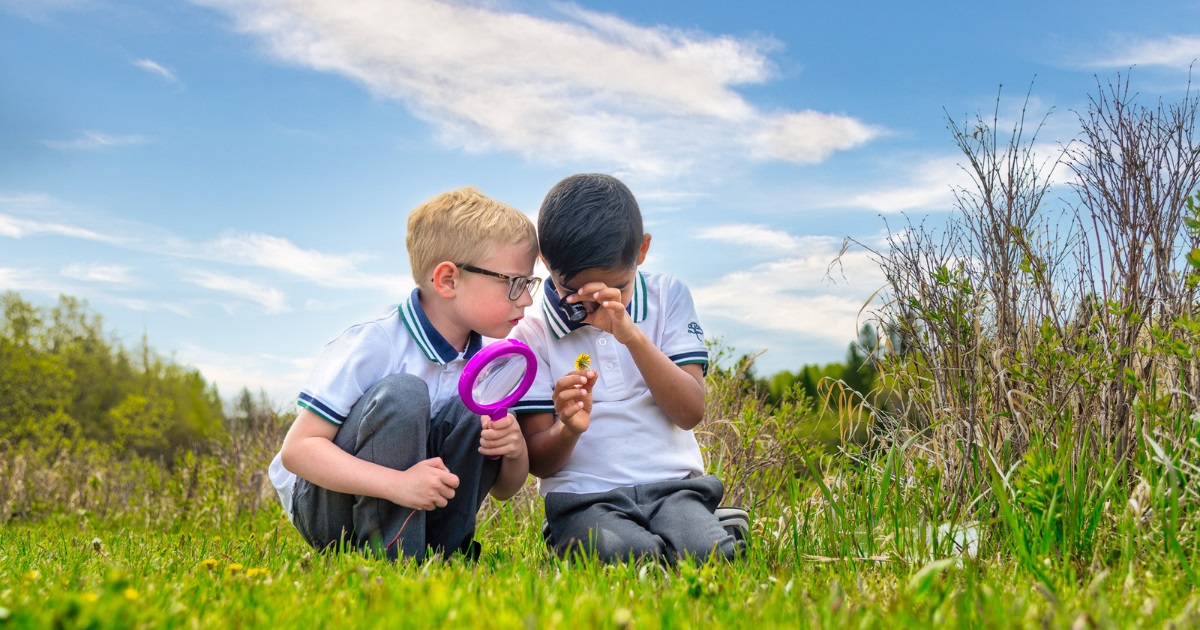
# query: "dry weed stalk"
{"points": [[1026, 318]]}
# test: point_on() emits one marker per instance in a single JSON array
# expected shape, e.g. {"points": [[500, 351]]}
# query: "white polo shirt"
{"points": [[403, 341], [630, 441]]}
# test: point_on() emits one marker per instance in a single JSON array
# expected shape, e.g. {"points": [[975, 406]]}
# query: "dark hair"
{"points": [[589, 221]]}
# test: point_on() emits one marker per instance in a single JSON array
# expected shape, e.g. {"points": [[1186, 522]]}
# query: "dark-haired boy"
{"points": [[619, 467]]}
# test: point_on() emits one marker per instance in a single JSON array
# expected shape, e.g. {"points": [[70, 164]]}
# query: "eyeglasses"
{"points": [[516, 284]]}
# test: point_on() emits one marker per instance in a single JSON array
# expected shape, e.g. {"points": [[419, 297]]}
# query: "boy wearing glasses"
{"points": [[383, 456], [612, 444]]}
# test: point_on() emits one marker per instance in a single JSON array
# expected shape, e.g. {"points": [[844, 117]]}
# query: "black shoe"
{"points": [[471, 550]]}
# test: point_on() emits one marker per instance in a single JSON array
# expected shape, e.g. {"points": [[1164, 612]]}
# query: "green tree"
{"points": [[34, 384]]}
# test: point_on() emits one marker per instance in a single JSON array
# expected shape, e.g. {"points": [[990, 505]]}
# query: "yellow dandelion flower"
{"points": [[209, 563], [583, 361], [255, 572], [90, 598], [234, 568], [131, 594], [32, 575]]}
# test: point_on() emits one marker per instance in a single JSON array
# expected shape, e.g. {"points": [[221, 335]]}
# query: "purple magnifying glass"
{"points": [[497, 377]]}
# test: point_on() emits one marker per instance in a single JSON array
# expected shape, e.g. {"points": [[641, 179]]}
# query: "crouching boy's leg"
{"points": [[609, 524], [388, 426], [682, 513], [454, 436]]}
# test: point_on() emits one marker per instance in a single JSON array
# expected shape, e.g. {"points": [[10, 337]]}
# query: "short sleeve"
{"points": [[683, 337], [346, 368]]}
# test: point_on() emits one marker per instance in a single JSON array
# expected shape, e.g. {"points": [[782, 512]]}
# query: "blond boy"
{"points": [[383, 456]]}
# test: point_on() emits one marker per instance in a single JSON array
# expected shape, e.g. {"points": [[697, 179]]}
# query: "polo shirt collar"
{"points": [[556, 317], [431, 342]]}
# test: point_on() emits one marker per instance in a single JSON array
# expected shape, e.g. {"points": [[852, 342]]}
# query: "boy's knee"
{"points": [[399, 388], [611, 546], [399, 402], [398, 395]]}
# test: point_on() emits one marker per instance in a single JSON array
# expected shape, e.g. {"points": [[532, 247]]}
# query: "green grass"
{"points": [[76, 572], [860, 538]]}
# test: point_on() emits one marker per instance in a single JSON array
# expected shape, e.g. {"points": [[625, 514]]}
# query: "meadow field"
{"points": [[1028, 454], [836, 542]]}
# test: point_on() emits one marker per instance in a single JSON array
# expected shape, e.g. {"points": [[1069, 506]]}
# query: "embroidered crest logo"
{"points": [[695, 329]]}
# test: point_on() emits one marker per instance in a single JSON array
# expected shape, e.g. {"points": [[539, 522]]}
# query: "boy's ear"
{"points": [[445, 279], [645, 248]]}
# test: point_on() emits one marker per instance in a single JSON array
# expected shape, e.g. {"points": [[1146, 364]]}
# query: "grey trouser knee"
{"points": [[666, 520], [392, 425]]}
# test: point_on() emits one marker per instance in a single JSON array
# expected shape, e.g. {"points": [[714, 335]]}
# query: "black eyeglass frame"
{"points": [[516, 284]]}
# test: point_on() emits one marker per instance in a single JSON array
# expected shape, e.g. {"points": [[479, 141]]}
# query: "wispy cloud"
{"points": [[155, 68], [1174, 51], [926, 185], [18, 279], [280, 254], [270, 299], [280, 377], [569, 85], [754, 237], [806, 297], [16, 227], [95, 140], [99, 272], [253, 250]]}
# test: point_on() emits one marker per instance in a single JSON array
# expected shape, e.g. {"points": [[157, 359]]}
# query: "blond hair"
{"points": [[463, 226]]}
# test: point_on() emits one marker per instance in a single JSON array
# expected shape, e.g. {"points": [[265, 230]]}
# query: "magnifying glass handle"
{"points": [[494, 415]]}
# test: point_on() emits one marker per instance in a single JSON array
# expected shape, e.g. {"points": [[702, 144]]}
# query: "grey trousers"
{"points": [[668, 520], [391, 425]]}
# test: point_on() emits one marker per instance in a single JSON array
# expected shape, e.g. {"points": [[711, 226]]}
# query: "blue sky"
{"points": [[232, 177]]}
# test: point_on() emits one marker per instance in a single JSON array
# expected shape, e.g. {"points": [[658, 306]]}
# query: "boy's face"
{"points": [[484, 303], [596, 278]]}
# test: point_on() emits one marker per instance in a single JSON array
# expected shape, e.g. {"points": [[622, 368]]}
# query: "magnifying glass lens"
{"points": [[498, 379]]}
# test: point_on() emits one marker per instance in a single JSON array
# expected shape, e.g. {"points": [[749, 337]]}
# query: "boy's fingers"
{"points": [[436, 462]]}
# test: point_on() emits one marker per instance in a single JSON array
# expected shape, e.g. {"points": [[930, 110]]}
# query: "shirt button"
{"points": [[608, 366], [604, 342]]}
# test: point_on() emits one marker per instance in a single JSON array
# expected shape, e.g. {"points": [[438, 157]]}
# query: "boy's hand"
{"points": [[427, 485], [502, 438], [610, 316], [573, 399]]}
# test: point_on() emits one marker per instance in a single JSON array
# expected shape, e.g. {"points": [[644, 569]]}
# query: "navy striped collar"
{"points": [[556, 318], [431, 342]]}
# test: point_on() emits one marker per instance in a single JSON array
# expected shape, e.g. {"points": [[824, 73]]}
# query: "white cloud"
{"points": [[16, 227], [280, 377], [94, 140], [26, 199], [1174, 51], [804, 298], [273, 252], [927, 185], [270, 299], [15, 279], [810, 137], [98, 272], [579, 85], [150, 306], [253, 250], [155, 68], [760, 238]]}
